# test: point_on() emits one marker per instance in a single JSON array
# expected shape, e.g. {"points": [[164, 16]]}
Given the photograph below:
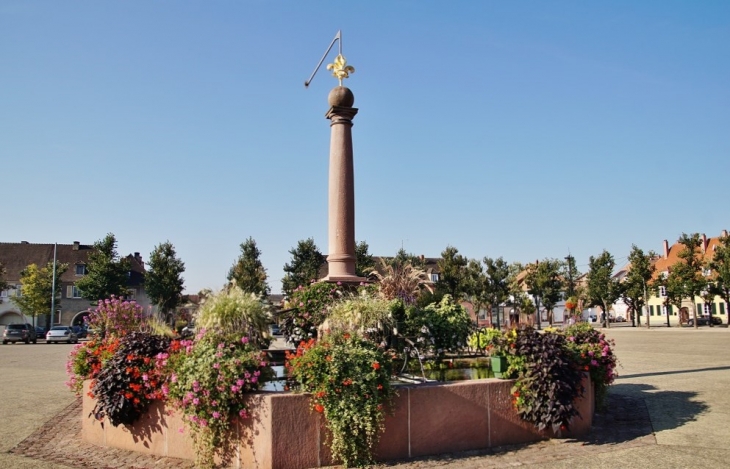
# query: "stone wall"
{"points": [[282, 432]]}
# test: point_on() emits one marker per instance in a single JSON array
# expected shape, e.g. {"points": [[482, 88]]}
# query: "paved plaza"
{"points": [[669, 408]]}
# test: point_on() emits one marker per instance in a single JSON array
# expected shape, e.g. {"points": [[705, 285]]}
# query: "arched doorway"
{"points": [[79, 318], [11, 317]]}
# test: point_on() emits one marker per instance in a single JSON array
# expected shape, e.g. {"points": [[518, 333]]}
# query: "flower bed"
{"points": [[283, 432]]}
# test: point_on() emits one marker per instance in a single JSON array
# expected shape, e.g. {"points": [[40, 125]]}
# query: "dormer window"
{"points": [[706, 272], [80, 270], [434, 278], [662, 291]]}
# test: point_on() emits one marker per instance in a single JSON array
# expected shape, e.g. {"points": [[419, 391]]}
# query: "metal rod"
{"points": [[53, 285], [338, 37]]}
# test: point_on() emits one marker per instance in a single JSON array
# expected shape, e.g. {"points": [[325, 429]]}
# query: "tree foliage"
{"points": [[637, 282], [364, 261], [248, 271], [3, 283], [163, 280], [453, 273], [37, 284], [603, 290], [720, 265], [107, 273], [304, 268], [687, 273], [545, 284]]}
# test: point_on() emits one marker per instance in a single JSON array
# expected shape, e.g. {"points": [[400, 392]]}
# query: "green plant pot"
{"points": [[499, 366]]}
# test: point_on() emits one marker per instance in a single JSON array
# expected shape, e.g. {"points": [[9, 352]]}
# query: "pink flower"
{"points": [[216, 415], [243, 414], [244, 340], [216, 365], [196, 401]]}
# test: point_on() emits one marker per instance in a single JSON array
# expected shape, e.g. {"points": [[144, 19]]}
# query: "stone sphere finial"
{"points": [[341, 96]]}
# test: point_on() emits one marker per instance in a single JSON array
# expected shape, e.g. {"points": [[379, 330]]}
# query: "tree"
{"points": [[570, 275], [720, 266], [364, 261], [688, 271], [497, 273], [544, 283], [402, 257], [37, 284], [453, 272], [163, 280], [475, 286], [603, 289], [248, 272], [637, 281], [107, 273], [3, 283], [304, 267], [674, 290]]}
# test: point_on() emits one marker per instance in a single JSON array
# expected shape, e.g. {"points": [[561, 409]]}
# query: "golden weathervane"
{"points": [[339, 68]]}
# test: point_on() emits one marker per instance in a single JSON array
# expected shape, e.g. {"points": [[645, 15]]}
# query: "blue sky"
{"points": [[517, 129]]}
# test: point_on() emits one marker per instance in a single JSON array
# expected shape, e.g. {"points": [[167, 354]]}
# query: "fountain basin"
{"points": [[283, 433]]}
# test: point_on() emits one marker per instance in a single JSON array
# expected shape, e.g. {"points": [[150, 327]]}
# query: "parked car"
{"points": [[19, 333], [705, 321], [61, 334], [274, 329], [40, 332], [80, 331]]}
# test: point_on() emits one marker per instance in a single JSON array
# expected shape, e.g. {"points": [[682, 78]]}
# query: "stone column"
{"points": [[341, 258]]}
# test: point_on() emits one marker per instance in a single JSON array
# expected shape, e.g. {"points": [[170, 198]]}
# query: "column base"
{"points": [[349, 279]]}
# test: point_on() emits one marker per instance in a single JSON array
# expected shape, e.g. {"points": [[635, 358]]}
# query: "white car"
{"points": [[61, 334]]}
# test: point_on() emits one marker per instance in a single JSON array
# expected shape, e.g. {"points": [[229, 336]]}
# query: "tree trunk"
{"points": [[694, 313]]}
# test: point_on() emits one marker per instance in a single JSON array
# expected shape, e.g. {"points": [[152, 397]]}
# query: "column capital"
{"points": [[337, 113]]}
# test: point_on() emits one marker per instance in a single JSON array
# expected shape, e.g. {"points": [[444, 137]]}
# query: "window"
{"points": [[664, 310], [73, 292], [132, 294], [4, 294], [664, 274], [434, 278], [706, 272], [482, 314], [669, 310], [80, 269], [706, 309], [662, 291], [722, 308], [18, 290], [651, 310]]}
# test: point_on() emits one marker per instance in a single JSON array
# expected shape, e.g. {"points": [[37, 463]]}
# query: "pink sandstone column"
{"points": [[341, 258]]}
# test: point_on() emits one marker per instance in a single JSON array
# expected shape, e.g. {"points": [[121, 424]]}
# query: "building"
{"points": [[71, 308], [659, 311]]}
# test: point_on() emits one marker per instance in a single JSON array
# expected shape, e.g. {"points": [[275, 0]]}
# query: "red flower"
{"points": [[380, 386], [319, 408], [376, 366]]}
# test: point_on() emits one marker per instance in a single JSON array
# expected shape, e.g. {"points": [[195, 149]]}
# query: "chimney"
{"points": [[76, 246], [138, 258], [24, 242], [723, 234], [422, 257], [704, 243], [666, 249]]}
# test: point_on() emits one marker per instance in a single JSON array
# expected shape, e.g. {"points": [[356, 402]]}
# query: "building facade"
{"points": [[71, 308]]}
